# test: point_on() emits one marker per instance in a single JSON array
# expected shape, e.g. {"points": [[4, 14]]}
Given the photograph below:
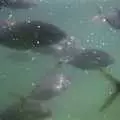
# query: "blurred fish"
{"points": [[26, 109], [116, 84], [18, 4], [88, 59], [30, 35], [53, 84], [112, 18]]}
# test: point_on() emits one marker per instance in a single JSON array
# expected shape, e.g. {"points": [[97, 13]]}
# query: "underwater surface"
{"points": [[88, 90]]}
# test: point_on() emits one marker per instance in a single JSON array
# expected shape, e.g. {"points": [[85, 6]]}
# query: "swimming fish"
{"points": [[30, 35], [90, 59], [25, 109], [52, 84], [112, 18], [18, 4]]}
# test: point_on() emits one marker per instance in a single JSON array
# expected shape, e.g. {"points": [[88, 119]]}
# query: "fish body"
{"points": [[18, 4], [52, 85], [91, 59], [29, 35]]}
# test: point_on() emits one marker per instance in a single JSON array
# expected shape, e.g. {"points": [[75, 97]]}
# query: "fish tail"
{"points": [[108, 75], [115, 83], [109, 101]]}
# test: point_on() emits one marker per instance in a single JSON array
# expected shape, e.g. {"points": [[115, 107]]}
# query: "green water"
{"points": [[88, 91]]}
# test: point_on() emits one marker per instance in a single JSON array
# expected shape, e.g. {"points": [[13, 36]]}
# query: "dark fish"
{"points": [[30, 35], [3, 3], [52, 85], [116, 84], [91, 59], [18, 4], [26, 109], [112, 18]]}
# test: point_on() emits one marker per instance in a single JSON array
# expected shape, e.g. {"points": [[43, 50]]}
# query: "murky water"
{"points": [[88, 91]]}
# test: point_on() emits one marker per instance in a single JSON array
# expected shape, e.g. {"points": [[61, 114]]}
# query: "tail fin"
{"points": [[109, 101], [108, 75], [115, 83]]}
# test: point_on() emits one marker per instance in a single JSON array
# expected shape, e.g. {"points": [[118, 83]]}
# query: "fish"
{"points": [[27, 35], [90, 59], [112, 18], [26, 109], [18, 4], [52, 84]]}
